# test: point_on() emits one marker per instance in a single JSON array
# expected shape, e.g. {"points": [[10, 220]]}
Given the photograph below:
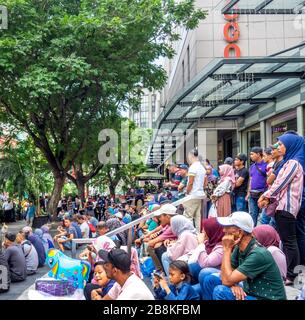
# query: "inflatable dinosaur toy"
{"points": [[66, 268]]}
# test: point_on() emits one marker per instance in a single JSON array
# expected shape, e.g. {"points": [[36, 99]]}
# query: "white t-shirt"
{"points": [[8, 206], [197, 170], [84, 227], [133, 289]]}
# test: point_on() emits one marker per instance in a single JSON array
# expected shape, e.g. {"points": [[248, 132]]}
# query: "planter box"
{"points": [[40, 221]]}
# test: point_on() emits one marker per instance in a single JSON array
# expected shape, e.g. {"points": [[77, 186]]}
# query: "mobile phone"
{"points": [[157, 274]]}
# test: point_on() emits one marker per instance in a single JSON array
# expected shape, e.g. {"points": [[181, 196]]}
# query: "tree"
{"points": [[111, 175], [23, 169], [66, 63]]}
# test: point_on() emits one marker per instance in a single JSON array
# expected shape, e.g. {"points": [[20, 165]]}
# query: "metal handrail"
{"points": [[130, 224]]}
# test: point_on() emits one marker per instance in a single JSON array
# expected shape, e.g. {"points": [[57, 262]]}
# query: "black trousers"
{"points": [[286, 224], [89, 288], [159, 251]]}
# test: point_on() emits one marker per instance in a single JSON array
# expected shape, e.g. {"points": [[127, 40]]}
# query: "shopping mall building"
{"points": [[237, 81]]}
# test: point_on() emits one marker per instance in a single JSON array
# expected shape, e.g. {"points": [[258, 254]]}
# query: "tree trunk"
{"points": [[59, 181], [112, 188], [80, 184]]}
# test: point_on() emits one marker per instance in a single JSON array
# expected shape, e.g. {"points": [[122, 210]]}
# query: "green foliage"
{"points": [[69, 66], [24, 170]]}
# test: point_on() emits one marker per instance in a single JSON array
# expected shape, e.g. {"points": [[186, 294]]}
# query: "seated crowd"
{"points": [[196, 256]]}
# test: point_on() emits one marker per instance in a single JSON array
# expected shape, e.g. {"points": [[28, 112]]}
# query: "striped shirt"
{"points": [[288, 187]]}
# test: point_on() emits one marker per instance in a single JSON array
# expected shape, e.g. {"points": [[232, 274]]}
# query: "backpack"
{"points": [[28, 243], [91, 229]]}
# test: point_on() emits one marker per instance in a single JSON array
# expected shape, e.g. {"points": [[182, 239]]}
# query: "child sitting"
{"points": [[100, 284], [180, 287]]}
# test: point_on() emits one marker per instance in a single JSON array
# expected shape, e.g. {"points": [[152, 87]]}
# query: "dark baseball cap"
{"points": [[117, 257], [242, 157], [228, 161], [183, 166]]}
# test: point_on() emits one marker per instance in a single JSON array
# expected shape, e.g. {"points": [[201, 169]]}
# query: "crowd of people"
{"points": [[240, 237]]}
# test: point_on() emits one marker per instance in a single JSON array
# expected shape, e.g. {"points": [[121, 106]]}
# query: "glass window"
{"points": [[283, 127], [254, 138]]}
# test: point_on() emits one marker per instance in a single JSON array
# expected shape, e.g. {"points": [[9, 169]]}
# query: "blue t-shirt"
{"points": [[77, 232], [31, 212]]}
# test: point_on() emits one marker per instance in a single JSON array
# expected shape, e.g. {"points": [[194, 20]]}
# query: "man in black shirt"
{"points": [[241, 185]]}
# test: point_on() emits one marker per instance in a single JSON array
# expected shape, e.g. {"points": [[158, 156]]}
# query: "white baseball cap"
{"points": [[239, 219], [167, 208], [119, 215]]}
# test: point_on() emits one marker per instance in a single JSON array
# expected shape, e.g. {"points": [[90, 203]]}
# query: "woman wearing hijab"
{"points": [[187, 241], [270, 239], [288, 189], [113, 224], [210, 251], [221, 196]]}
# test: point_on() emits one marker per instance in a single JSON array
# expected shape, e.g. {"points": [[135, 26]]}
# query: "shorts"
{"points": [[66, 245]]}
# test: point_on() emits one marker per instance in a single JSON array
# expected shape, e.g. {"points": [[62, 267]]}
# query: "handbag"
{"points": [[213, 211], [270, 210]]}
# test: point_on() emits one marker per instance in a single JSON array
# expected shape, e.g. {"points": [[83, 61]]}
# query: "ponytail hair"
{"points": [[183, 267]]}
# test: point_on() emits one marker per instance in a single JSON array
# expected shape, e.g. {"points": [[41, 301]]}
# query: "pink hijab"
{"points": [[266, 235], [227, 173]]}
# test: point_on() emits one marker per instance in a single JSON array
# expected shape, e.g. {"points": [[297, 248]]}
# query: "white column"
{"points": [[263, 134], [268, 133], [300, 120], [244, 142]]}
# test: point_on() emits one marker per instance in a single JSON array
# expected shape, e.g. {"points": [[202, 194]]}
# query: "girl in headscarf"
{"points": [[221, 196], [46, 235], [45, 243], [288, 189], [113, 224], [187, 241], [270, 239], [210, 251]]}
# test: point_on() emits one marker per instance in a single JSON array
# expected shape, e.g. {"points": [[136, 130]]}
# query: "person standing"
{"points": [[241, 184], [195, 185], [286, 189], [8, 208], [222, 194], [30, 214], [258, 182]]}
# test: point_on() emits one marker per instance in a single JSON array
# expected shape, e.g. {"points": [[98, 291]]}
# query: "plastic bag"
{"points": [[147, 267], [39, 295], [213, 211]]}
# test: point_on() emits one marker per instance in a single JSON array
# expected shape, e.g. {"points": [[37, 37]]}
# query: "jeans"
{"points": [[301, 233], [208, 282], [286, 225], [203, 274], [240, 203], [254, 209], [166, 261], [225, 293], [195, 270], [267, 220]]}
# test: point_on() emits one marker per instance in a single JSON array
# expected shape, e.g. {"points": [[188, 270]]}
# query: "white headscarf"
{"points": [[180, 224]]}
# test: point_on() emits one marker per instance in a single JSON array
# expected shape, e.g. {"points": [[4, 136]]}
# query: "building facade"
{"points": [[234, 36], [149, 110]]}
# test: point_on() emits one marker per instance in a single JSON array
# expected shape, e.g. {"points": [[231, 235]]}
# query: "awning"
{"points": [[226, 89], [264, 7]]}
